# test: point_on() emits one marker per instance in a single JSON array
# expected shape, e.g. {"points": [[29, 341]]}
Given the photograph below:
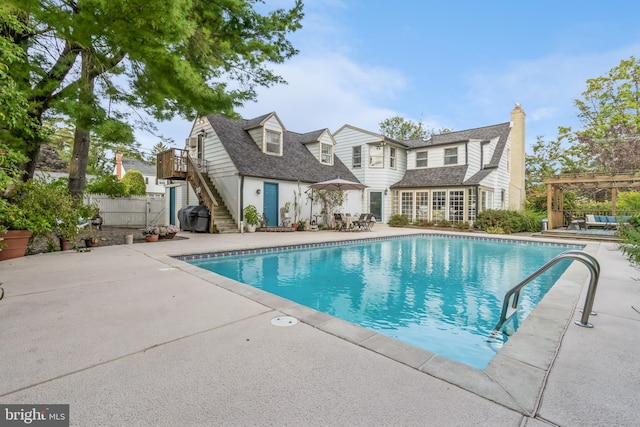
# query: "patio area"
{"points": [[128, 335]]}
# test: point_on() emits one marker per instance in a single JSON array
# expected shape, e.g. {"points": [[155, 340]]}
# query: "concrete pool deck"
{"points": [[127, 335]]}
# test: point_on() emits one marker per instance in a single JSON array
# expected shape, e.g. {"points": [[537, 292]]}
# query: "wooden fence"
{"points": [[132, 211]]}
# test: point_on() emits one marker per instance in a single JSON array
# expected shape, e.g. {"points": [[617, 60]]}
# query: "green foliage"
{"points": [[329, 201], [630, 235], [107, 184], [398, 220], [506, 222], [610, 114], [401, 129], [133, 182], [629, 201], [251, 215], [104, 59]]}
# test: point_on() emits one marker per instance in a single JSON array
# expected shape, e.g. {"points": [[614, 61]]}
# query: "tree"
{"points": [[610, 114], [400, 129], [174, 57], [133, 182]]}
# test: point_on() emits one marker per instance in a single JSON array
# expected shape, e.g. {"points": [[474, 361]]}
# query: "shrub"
{"points": [[108, 185], [133, 182], [398, 221], [630, 235], [510, 221], [444, 223]]}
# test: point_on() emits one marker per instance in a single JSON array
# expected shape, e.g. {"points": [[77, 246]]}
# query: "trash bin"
{"points": [[545, 224], [201, 219]]}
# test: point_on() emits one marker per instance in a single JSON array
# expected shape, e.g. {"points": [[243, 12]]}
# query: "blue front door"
{"points": [[271, 203]]}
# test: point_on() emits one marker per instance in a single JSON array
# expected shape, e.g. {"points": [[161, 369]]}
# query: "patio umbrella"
{"points": [[337, 184]]}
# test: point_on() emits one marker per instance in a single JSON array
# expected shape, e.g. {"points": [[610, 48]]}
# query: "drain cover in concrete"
{"points": [[284, 321]]}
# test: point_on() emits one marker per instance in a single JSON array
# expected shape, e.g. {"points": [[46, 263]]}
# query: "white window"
{"points": [[421, 159], [422, 205], [451, 156], [438, 205], [392, 157], [356, 157], [273, 142], [406, 204], [326, 154], [376, 157], [456, 206]]}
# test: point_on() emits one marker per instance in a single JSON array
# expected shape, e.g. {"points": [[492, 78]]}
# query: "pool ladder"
{"points": [[594, 268]]}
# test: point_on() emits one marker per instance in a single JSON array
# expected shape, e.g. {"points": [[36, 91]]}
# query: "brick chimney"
{"points": [[517, 192], [119, 170]]}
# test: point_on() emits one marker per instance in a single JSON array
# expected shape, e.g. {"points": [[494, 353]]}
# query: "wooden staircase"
{"points": [[178, 164], [224, 221]]}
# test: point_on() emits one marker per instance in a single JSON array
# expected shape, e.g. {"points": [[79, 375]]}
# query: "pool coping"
{"points": [[516, 375]]}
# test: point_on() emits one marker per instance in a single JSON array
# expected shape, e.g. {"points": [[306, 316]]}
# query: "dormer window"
{"points": [[422, 158], [451, 156], [273, 142], [326, 154]]}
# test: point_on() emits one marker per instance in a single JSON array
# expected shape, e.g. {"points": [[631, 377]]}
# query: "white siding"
{"points": [[376, 179], [257, 134]]}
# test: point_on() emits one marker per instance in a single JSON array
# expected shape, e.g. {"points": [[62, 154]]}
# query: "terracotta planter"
{"points": [[65, 245], [152, 237], [16, 244]]}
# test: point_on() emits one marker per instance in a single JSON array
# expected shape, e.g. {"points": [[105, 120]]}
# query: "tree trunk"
{"points": [[82, 137], [78, 164]]}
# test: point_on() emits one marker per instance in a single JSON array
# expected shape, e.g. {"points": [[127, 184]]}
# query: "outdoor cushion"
{"points": [[612, 219], [601, 218]]}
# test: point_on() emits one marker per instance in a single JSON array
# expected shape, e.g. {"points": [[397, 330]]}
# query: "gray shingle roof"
{"points": [[144, 168], [296, 163], [454, 175], [432, 177]]}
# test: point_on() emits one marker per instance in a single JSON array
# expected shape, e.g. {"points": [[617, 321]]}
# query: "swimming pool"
{"points": [[439, 293]]}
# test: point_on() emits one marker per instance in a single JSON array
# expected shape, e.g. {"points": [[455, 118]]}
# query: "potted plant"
{"points": [[152, 233], [91, 237], [251, 218], [301, 225], [167, 232], [287, 209]]}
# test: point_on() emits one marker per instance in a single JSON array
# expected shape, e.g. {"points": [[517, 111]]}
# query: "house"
{"points": [[450, 176], [153, 184], [233, 163]]}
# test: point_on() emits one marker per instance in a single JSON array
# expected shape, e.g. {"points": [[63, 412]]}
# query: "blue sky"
{"points": [[454, 64]]}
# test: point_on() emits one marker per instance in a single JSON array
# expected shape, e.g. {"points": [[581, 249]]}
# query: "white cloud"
{"points": [[328, 92]]}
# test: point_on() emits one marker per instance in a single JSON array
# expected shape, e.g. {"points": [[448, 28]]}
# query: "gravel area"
{"points": [[108, 236]]}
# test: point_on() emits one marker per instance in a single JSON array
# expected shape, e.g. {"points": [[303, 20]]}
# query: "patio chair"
{"points": [[368, 222], [340, 222], [573, 222], [358, 224]]}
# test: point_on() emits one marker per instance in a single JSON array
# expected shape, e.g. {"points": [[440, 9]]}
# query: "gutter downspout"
{"points": [[241, 204]]}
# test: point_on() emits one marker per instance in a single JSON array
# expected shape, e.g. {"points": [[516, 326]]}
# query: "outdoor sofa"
{"points": [[606, 221]]}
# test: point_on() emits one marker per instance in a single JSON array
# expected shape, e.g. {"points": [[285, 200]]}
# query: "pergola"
{"points": [[558, 183]]}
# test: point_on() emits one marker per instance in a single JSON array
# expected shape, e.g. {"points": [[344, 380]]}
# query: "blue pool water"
{"points": [[437, 293]]}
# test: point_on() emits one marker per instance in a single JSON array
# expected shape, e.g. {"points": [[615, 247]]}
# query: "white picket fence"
{"points": [[131, 211]]}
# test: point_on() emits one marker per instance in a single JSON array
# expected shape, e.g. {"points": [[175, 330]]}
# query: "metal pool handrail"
{"points": [[589, 261]]}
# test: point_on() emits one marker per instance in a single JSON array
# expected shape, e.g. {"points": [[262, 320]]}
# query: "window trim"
{"points": [[375, 149], [266, 142], [330, 154], [357, 165], [393, 161], [426, 159], [448, 157]]}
